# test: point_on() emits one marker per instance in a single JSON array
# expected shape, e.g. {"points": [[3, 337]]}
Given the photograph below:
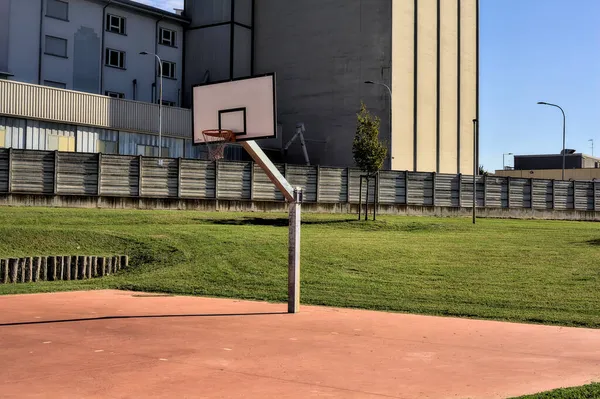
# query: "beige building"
{"points": [[426, 51], [549, 166], [435, 64], [553, 174]]}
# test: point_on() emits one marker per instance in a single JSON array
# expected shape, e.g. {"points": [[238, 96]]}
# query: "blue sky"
{"points": [[532, 50]]}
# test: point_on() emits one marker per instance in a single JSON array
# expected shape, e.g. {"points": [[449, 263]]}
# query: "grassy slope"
{"points": [[586, 392], [532, 271]]}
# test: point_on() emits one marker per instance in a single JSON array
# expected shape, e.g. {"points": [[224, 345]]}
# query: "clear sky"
{"points": [[532, 50]]}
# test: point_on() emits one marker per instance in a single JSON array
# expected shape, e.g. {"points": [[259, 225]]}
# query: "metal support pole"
{"points": [[294, 253]]}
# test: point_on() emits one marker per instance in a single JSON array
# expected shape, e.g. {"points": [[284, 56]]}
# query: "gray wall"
{"points": [[46, 172], [322, 52], [209, 47], [24, 40], [4, 32]]}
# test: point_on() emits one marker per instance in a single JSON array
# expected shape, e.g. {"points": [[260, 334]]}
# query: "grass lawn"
{"points": [[525, 271], [586, 392]]}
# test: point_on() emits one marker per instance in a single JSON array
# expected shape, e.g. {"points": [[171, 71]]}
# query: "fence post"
{"points": [[595, 192], [179, 177], [531, 193], [216, 180], [406, 187], [99, 183], [508, 192], [574, 195], [140, 170], [360, 198], [318, 183], [10, 162], [485, 190], [55, 188], [433, 188], [251, 181], [553, 194], [460, 190], [347, 185]]}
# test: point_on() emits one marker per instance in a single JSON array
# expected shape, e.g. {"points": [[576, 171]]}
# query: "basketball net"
{"points": [[216, 141]]}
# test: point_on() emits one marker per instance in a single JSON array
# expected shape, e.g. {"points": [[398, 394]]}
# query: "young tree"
{"points": [[369, 153]]}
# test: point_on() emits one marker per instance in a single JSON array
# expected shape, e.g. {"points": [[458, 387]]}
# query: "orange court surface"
{"points": [[113, 344]]}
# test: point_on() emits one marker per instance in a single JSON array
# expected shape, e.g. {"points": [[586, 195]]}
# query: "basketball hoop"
{"points": [[216, 140]]}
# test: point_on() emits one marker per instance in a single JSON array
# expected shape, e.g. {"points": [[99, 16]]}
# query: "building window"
{"points": [[115, 24], [167, 37], [57, 9], [114, 94], [58, 85], [107, 147], [115, 58], [168, 103], [168, 69], [56, 46], [55, 142], [151, 151]]}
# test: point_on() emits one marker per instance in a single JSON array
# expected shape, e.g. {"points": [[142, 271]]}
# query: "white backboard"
{"points": [[246, 106]]}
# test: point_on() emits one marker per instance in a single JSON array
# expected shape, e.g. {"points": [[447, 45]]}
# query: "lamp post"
{"points": [[592, 141], [564, 152], [504, 158], [160, 105], [370, 82]]}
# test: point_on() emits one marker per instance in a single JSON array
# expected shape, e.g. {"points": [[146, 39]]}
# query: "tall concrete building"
{"points": [[323, 51]]}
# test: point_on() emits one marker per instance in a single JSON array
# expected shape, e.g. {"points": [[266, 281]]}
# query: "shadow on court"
{"points": [[169, 316]]}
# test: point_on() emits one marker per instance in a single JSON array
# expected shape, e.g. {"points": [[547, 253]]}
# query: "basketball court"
{"points": [[112, 344]]}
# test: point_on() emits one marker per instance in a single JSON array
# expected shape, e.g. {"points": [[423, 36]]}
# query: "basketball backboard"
{"points": [[245, 106]]}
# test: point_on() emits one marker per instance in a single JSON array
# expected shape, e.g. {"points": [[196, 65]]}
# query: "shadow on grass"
{"points": [[410, 227], [171, 316], [594, 243], [273, 222]]}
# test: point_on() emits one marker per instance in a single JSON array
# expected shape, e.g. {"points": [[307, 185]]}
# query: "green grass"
{"points": [[585, 392], [523, 271]]}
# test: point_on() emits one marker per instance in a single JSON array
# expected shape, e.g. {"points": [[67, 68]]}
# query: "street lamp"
{"points": [[592, 141], [370, 82], [160, 105], [564, 151], [503, 160]]}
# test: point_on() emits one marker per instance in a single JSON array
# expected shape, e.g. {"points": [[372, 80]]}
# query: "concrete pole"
{"points": [[294, 253]]}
